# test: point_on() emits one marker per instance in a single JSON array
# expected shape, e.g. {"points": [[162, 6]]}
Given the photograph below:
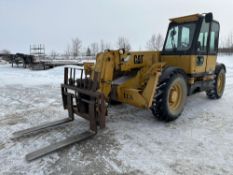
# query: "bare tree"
{"points": [[88, 52], [104, 46], [76, 46], [54, 54], [107, 46], [155, 42], [5, 51], [229, 41], [94, 48], [67, 52], [226, 45], [123, 43], [151, 43]]}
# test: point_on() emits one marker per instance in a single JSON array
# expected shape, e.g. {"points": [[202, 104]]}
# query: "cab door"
{"points": [[213, 47], [200, 60]]}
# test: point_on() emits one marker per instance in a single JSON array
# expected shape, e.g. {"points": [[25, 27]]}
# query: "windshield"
{"points": [[180, 37]]}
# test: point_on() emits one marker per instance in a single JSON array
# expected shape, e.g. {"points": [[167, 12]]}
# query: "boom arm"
{"points": [[136, 89]]}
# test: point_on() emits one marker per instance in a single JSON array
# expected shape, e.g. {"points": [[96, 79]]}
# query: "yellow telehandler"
{"points": [[159, 81]]}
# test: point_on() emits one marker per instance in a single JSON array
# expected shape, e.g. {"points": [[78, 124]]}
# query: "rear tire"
{"points": [[217, 90], [170, 97]]}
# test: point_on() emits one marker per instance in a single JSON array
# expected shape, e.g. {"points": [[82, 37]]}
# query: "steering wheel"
{"points": [[184, 44]]}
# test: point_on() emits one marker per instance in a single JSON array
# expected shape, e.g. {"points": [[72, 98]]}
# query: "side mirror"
{"points": [[173, 33], [209, 17]]}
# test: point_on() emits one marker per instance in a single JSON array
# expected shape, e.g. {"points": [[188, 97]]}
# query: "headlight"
{"points": [[121, 51]]}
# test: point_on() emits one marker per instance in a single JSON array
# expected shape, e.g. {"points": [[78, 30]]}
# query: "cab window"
{"points": [[180, 37], [214, 34], [203, 38]]}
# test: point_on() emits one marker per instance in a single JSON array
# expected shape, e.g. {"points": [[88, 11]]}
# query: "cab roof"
{"points": [[189, 18]]}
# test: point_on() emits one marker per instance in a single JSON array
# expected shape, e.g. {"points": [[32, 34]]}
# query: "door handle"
{"points": [[199, 60]]}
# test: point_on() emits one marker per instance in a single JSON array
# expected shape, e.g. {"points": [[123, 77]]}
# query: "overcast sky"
{"points": [[55, 22]]}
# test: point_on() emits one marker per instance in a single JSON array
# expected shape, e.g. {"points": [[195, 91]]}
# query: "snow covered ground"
{"points": [[199, 142]]}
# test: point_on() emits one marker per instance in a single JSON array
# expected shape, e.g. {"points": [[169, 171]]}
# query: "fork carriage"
{"points": [[80, 97]]}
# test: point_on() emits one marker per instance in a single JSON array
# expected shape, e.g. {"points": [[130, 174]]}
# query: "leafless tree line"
{"points": [[123, 43], [155, 42], [75, 48], [226, 45]]}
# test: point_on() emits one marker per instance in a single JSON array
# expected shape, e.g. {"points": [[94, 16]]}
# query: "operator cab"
{"points": [[195, 34], [192, 44]]}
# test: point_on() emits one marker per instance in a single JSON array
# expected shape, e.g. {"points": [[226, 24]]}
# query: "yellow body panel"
{"points": [[105, 68], [140, 58], [136, 90], [189, 63], [88, 67], [195, 68], [139, 90], [211, 63]]}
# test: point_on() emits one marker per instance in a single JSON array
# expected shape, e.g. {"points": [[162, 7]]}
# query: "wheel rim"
{"points": [[220, 83], [175, 97]]}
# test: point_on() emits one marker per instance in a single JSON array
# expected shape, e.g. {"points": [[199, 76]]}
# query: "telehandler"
{"points": [[159, 81]]}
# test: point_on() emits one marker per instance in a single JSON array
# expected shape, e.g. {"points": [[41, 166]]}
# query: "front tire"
{"points": [[170, 97], [217, 90]]}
